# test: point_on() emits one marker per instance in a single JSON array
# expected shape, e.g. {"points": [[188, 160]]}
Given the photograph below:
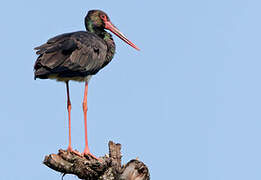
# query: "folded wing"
{"points": [[77, 54]]}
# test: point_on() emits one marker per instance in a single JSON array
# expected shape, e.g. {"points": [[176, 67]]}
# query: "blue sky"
{"points": [[188, 104]]}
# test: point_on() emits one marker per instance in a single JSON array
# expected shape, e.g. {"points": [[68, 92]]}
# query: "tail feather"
{"points": [[41, 73]]}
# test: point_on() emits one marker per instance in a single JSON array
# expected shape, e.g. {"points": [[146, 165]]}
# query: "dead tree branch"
{"points": [[108, 168]]}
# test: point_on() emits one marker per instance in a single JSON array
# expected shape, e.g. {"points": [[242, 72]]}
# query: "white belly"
{"points": [[79, 79]]}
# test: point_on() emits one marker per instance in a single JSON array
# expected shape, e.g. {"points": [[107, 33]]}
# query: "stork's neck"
{"points": [[107, 37]]}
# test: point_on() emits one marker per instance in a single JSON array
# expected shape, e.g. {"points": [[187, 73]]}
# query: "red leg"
{"points": [[84, 105], [69, 107]]}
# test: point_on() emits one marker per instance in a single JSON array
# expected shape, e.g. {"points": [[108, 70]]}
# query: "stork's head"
{"points": [[97, 20]]}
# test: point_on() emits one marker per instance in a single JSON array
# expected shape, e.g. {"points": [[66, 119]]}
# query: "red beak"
{"points": [[113, 29]]}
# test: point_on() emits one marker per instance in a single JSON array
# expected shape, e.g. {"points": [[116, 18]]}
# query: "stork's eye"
{"points": [[103, 17]]}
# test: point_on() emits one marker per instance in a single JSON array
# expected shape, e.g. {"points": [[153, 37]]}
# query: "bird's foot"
{"points": [[74, 151], [87, 153]]}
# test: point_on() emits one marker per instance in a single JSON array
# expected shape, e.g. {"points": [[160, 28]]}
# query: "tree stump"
{"points": [[107, 168]]}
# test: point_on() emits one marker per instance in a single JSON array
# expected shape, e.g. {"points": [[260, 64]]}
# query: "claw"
{"points": [[88, 154], [74, 152]]}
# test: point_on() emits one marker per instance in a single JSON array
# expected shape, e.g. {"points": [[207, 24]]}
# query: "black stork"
{"points": [[77, 56]]}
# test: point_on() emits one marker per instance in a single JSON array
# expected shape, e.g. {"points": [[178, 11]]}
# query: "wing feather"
{"points": [[71, 54]]}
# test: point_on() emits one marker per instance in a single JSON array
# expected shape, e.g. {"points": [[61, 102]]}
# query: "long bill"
{"points": [[116, 31]]}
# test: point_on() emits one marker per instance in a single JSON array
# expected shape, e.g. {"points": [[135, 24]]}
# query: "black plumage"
{"points": [[72, 55]]}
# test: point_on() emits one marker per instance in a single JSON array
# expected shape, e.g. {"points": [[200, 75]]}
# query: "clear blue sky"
{"points": [[188, 104]]}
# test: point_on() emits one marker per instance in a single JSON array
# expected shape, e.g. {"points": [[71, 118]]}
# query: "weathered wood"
{"points": [[108, 168]]}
